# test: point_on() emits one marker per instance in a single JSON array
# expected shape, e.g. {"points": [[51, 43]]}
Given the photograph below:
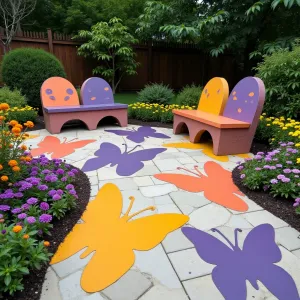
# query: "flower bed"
{"points": [[33, 194], [154, 112]]}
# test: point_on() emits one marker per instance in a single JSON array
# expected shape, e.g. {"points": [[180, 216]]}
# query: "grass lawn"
{"points": [[128, 98]]}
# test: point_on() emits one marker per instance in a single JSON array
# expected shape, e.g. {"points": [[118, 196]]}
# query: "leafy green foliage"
{"points": [[18, 255], [26, 69], [156, 93], [281, 75], [22, 114], [12, 97], [111, 45], [190, 95]]}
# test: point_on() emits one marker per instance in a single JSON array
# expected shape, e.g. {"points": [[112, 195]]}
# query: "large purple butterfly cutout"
{"points": [[138, 136], [255, 262], [128, 162]]}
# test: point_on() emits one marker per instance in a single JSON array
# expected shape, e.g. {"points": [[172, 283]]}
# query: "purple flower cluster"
{"points": [[297, 202]]}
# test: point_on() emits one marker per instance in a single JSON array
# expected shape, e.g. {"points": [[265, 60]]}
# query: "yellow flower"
{"points": [[298, 160], [16, 169], [284, 128], [4, 178], [12, 163], [26, 236], [17, 228], [297, 145], [46, 244], [268, 125]]}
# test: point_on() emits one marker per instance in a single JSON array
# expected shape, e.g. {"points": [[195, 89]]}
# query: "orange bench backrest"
{"points": [[214, 96], [246, 99], [58, 91]]}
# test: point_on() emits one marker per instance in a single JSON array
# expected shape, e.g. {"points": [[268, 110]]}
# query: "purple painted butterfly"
{"points": [[128, 162], [138, 136], [255, 262]]}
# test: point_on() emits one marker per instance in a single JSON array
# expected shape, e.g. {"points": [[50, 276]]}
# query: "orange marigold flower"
{"points": [[29, 124], [25, 236], [10, 146], [16, 130], [28, 158], [4, 178], [2, 118], [16, 169], [1, 167], [46, 244], [13, 123], [1, 221], [17, 228], [12, 163], [24, 147], [19, 126], [23, 158], [4, 106]]}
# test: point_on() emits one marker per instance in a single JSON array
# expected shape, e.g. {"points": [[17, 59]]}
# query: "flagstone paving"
{"points": [[172, 270]]}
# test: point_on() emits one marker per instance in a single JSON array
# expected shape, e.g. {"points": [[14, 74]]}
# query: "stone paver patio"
{"points": [[173, 269]]}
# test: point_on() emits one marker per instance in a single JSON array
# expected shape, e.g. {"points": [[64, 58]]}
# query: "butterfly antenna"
{"points": [[198, 171], [133, 148], [71, 140], [189, 171], [222, 235], [125, 146], [236, 231], [132, 199]]}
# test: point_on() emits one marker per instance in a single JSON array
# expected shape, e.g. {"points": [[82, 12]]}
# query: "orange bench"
{"points": [[231, 121]]}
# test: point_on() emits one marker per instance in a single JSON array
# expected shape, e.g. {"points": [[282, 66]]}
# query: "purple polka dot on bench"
{"points": [[96, 90]]}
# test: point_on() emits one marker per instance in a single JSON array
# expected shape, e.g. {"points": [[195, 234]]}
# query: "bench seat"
{"points": [[211, 119], [79, 108]]}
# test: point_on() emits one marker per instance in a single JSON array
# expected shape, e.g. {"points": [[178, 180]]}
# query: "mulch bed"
{"points": [[280, 207], [33, 283]]}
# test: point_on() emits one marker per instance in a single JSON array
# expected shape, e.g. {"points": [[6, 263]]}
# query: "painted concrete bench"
{"points": [[231, 121], [61, 103]]}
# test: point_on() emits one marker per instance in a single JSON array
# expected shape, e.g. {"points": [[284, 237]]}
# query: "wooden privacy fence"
{"points": [[173, 64]]}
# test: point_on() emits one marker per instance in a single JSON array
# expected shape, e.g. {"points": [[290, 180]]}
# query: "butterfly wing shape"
{"points": [[129, 164], [47, 145], [98, 211], [66, 149], [150, 132], [185, 182], [108, 153], [225, 193], [228, 280]]}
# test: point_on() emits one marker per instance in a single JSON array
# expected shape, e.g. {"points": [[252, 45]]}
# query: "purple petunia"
{"points": [[72, 192], [285, 179], [289, 162], [18, 195], [22, 216], [44, 206], [56, 197], [52, 193], [240, 168], [32, 201], [43, 187], [31, 220], [60, 171], [71, 186], [279, 165], [4, 207], [16, 210], [60, 192], [280, 177], [63, 179], [243, 176], [25, 206], [257, 169], [287, 171], [274, 181], [45, 218], [296, 171]]}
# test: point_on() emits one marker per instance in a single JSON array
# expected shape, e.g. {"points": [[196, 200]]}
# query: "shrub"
{"points": [[190, 95], [26, 69], [280, 73], [153, 112], [156, 93], [12, 98]]}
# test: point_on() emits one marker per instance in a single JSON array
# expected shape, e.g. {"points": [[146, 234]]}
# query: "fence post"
{"points": [[150, 69], [50, 40]]}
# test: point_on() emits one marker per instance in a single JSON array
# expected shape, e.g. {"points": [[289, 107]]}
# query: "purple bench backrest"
{"points": [[96, 90], [245, 100]]}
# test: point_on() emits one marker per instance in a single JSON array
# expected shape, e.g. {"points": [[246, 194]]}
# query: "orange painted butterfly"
{"points": [[218, 186], [113, 238], [51, 144]]}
